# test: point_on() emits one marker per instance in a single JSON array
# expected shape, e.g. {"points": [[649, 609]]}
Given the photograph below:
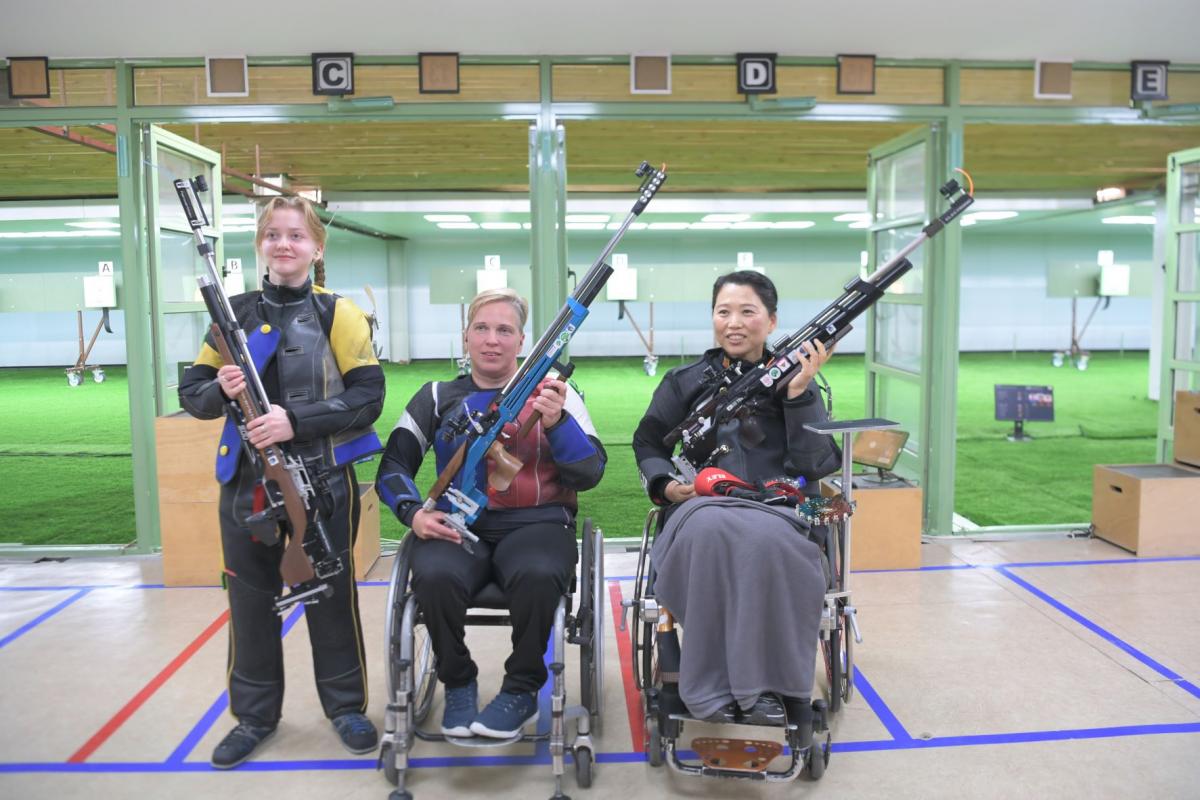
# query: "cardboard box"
{"points": [[187, 505], [1187, 428], [1149, 509], [885, 531]]}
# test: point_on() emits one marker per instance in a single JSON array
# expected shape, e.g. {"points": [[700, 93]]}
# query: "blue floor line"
{"points": [[890, 722], [1166, 672], [214, 712], [1099, 562], [368, 762], [40, 618]]}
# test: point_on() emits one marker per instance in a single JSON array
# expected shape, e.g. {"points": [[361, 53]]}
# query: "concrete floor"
{"points": [[1060, 668]]}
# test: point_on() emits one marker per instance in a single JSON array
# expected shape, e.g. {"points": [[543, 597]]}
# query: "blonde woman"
{"points": [[527, 532], [326, 388]]}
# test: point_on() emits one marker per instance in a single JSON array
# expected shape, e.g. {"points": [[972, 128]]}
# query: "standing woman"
{"points": [[705, 578], [527, 531], [326, 389]]}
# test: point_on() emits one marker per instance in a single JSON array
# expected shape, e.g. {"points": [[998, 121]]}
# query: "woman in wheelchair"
{"points": [[527, 532], [747, 586]]}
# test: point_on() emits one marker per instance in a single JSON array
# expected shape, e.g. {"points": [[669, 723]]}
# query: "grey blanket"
{"points": [[747, 586]]}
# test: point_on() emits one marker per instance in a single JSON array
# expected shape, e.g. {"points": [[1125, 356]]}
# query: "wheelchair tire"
{"points": [[389, 765], [424, 674], [654, 743], [591, 607], [583, 767], [818, 758], [835, 668]]}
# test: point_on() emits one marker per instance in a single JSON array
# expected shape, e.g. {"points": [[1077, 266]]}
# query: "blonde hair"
{"points": [[510, 296], [316, 228]]}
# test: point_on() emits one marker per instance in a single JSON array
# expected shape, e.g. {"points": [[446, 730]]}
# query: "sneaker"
{"points": [[239, 744], [506, 715], [462, 706], [356, 732], [728, 713], [767, 710]]}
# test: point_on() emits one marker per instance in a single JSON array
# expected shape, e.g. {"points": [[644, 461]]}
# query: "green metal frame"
{"points": [[547, 182], [157, 140], [1176, 373]]}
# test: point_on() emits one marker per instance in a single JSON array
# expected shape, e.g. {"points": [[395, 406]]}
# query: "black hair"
{"points": [[760, 283]]}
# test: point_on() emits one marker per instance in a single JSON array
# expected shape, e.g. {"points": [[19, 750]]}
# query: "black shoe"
{"points": [[239, 744], [726, 714], [767, 710], [356, 732]]}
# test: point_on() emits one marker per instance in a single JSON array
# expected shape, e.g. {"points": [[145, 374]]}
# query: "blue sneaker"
{"points": [[462, 706], [506, 715]]}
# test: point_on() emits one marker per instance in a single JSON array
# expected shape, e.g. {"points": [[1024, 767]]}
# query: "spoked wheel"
{"points": [[424, 674], [591, 609]]}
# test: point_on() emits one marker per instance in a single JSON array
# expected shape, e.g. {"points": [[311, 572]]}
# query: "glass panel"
{"points": [[1189, 194], [1189, 262], [182, 335], [1187, 332], [172, 165], [900, 400], [900, 184], [898, 335], [180, 267], [892, 241]]}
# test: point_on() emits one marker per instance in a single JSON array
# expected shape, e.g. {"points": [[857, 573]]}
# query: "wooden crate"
{"points": [[885, 532], [1149, 509], [187, 505]]}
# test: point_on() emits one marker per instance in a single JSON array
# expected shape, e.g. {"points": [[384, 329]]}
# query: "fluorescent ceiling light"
{"points": [[855, 217], [500, 226], [1104, 258], [637, 226], [55, 234], [793, 224], [725, 217], [987, 216], [97, 224], [447, 218], [587, 217], [709, 226], [754, 225], [1128, 219], [585, 226], [458, 226], [526, 225], [669, 226], [866, 223]]}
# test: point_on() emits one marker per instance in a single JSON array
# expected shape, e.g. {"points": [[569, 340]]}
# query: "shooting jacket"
{"points": [[314, 354], [783, 447]]}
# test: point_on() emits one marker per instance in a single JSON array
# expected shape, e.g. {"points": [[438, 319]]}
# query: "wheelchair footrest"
{"points": [[482, 741], [736, 755]]}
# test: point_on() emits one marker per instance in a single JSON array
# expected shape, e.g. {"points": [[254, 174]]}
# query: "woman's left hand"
{"points": [[271, 428], [815, 357], [551, 396]]}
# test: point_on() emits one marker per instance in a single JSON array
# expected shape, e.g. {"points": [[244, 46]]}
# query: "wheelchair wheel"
{"points": [[424, 673], [583, 767], [818, 758], [654, 743], [389, 765], [591, 609], [834, 667]]}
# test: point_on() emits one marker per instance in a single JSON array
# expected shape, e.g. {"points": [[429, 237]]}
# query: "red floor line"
{"points": [[118, 719], [633, 699]]}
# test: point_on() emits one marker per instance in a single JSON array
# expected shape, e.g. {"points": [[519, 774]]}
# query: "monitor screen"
{"points": [[1034, 403], [879, 449]]}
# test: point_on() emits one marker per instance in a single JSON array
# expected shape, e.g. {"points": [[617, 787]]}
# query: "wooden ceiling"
{"points": [[703, 156]]}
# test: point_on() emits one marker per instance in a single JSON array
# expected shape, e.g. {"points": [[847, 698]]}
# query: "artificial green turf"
{"points": [[1102, 417]]}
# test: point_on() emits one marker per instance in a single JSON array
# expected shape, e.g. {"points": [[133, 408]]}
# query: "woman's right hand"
{"points": [[677, 492], [432, 525], [231, 380]]}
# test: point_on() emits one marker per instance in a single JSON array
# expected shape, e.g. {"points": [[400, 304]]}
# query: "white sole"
{"points": [[480, 729], [461, 731]]}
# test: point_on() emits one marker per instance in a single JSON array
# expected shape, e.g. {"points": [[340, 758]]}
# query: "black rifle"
{"points": [[737, 391], [292, 499]]}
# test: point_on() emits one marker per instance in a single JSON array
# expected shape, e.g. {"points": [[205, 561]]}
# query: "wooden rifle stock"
{"points": [[295, 566]]}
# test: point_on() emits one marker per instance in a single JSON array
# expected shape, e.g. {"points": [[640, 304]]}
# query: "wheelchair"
{"points": [[412, 670]]}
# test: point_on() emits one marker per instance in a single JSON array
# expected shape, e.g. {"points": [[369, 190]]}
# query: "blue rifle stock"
{"points": [[484, 429]]}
